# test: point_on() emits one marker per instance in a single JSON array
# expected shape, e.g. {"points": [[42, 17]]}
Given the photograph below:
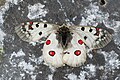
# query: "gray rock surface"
{"points": [[23, 61]]}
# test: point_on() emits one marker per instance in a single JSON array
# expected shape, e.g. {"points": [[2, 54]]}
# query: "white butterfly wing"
{"points": [[33, 31], [75, 54], [53, 51], [94, 37]]}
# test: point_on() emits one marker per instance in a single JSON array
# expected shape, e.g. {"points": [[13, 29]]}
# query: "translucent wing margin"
{"points": [[33, 31], [94, 37]]}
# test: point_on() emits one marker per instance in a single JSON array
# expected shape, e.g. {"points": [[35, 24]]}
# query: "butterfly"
{"points": [[64, 44]]}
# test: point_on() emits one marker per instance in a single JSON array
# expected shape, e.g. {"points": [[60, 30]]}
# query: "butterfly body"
{"points": [[64, 36], [64, 44]]}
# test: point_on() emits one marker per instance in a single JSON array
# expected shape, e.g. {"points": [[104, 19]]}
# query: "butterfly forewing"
{"points": [[33, 31], [94, 37]]}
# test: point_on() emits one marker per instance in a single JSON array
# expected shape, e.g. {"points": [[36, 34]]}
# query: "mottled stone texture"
{"points": [[69, 10], [2, 2]]}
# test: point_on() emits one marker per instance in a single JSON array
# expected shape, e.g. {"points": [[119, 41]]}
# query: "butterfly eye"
{"points": [[80, 41], [48, 42], [77, 52], [37, 25], [90, 30], [51, 53]]}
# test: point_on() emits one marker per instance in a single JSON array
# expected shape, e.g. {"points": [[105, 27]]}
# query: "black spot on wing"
{"points": [[82, 28], [37, 25], [85, 37], [23, 28], [90, 30], [45, 25], [40, 33]]}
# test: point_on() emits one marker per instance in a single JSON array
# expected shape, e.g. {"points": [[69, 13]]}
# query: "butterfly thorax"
{"points": [[64, 36]]}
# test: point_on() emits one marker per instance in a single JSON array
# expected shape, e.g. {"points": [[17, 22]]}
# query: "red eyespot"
{"points": [[97, 32], [77, 52], [51, 53], [80, 41], [97, 29], [48, 42], [30, 22]]}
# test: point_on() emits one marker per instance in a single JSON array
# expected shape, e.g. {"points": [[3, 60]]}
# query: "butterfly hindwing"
{"points": [[75, 54], [53, 51], [94, 37], [33, 31]]}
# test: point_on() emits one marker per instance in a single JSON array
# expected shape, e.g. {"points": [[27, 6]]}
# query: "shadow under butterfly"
{"points": [[64, 44]]}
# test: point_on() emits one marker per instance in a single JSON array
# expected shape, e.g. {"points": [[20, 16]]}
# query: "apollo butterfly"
{"points": [[64, 44]]}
